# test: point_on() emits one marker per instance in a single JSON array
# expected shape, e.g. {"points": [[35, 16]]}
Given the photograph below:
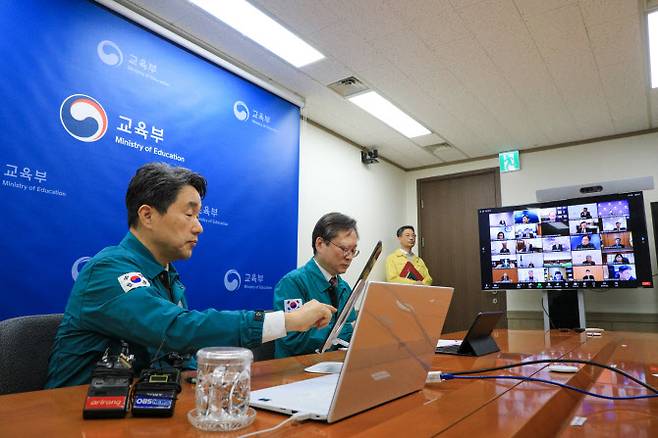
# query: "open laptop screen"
{"points": [[356, 292], [389, 356]]}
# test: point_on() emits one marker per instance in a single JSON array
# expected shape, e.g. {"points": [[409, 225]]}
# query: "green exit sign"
{"points": [[509, 161]]}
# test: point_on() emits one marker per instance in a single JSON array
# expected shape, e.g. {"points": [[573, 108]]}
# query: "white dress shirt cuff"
{"points": [[274, 326]]}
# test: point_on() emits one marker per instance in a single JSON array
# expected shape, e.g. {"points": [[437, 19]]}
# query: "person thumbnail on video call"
{"points": [[584, 227], [525, 231], [625, 273], [587, 275], [585, 242]]}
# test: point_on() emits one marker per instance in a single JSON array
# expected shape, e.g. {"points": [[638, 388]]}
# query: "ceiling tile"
{"points": [[559, 30], [434, 22], [483, 79], [301, 17], [405, 50], [450, 154], [347, 46], [616, 41], [426, 140], [327, 71], [536, 7], [602, 11], [625, 89], [461, 4], [371, 19]]}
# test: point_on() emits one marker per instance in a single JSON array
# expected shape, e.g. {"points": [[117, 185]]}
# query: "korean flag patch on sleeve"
{"points": [[132, 280], [292, 305]]}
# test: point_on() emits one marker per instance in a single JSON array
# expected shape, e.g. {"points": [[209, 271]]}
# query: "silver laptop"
{"points": [[389, 356], [359, 287]]}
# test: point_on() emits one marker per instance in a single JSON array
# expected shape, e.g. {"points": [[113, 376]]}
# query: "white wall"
{"points": [[332, 178], [582, 164]]}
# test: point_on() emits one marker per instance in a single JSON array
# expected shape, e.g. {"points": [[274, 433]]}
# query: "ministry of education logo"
{"points": [[240, 110], [232, 280], [83, 117], [109, 53]]}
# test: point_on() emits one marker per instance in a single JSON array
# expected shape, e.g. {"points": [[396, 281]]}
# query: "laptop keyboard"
{"points": [[311, 395]]}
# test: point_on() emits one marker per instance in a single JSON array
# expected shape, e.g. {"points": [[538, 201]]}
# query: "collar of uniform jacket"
{"points": [[145, 260], [318, 274]]}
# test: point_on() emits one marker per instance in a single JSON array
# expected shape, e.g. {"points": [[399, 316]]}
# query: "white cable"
{"points": [[299, 416]]}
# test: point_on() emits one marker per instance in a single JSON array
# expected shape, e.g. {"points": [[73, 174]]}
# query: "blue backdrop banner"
{"points": [[90, 97]]}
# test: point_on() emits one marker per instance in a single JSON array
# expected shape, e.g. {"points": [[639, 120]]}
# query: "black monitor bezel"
{"points": [[638, 227]]}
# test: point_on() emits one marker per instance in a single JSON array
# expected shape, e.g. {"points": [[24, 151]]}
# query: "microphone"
{"points": [[108, 395]]}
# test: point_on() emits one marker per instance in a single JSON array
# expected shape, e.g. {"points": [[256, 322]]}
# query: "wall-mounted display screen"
{"points": [[593, 242]]}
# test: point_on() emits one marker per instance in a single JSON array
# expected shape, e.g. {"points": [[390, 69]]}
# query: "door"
{"points": [[449, 241]]}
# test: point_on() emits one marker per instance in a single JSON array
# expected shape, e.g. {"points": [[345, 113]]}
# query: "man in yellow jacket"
{"points": [[403, 266]]}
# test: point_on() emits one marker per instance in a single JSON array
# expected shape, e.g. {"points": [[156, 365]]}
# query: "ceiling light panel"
{"points": [[653, 47], [259, 27], [388, 113]]}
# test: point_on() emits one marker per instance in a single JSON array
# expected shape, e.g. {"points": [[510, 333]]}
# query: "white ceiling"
{"points": [[485, 75]]}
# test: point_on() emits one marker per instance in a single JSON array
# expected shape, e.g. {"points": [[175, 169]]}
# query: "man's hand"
{"points": [[312, 314]]}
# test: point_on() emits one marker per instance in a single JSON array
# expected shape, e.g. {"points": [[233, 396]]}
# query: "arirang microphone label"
{"points": [[107, 402], [152, 403]]}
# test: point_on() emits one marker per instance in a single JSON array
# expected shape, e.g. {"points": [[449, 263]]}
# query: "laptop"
{"points": [[390, 354], [478, 340], [358, 288]]}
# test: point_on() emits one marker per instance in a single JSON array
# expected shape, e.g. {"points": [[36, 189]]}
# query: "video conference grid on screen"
{"points": [[587, 244]]}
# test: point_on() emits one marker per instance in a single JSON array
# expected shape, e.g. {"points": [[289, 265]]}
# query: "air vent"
{"points": [[348, 86], [438, 148]]}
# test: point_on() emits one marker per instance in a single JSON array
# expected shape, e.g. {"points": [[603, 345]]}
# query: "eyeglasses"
{"points": [[346, 252]]}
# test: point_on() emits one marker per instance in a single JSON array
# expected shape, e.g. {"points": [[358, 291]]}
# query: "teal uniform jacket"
{"points": [[307, 283], [120, 295]]}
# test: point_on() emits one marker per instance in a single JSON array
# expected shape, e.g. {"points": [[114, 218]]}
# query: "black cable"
{"points": [[551, 382], [157, 358], [586, 362], [550, 321]]}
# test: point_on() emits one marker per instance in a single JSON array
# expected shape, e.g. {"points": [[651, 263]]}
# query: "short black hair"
{"points": [[407, 227], [330, 225], [624, 268], [157, 185]]}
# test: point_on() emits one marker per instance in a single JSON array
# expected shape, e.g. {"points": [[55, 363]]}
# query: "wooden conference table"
{"points": [[459, 408]]}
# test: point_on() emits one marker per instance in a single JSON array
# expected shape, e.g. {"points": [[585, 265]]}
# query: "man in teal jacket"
{"points": [[132, 292], [334, 243]]}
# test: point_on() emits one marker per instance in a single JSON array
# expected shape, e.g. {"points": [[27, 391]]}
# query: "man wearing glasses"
{"points": [[334, 242], [403, 266]]}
